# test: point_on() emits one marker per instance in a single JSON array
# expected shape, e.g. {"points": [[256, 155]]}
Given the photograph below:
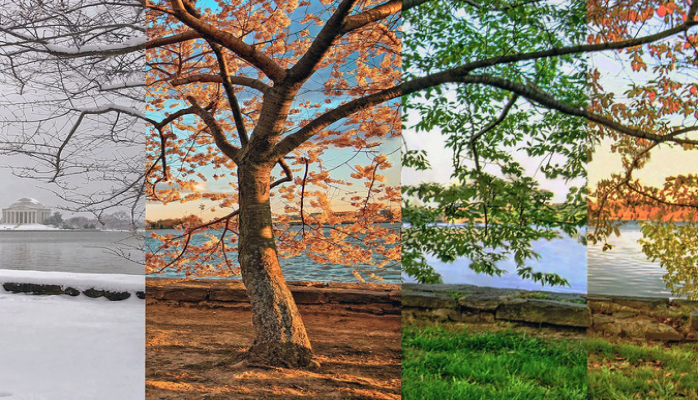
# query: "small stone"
{"points": [[229, 294], [694, 320], [640, 303], [545, 311], [636, 327], [478, 303], [93, 293], [427, 300], [309, 295], [71, 291], [357, 296], [664, 333], [444, 314], [33, 288], [599, 306], [117, 296], [624, 314], [602, 319]]}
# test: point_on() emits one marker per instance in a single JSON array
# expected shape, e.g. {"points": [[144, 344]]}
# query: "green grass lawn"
{"points": [[625, 371], [446, 364], [443, 363]]}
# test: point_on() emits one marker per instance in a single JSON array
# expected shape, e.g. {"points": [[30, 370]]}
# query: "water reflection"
{"points": [[625, 270]]}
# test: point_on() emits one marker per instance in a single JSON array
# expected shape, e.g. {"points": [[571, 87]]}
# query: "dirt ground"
{"points": [[191, 353]]}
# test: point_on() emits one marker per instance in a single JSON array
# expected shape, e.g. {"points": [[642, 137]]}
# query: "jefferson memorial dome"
{"points": [[25, 211]]}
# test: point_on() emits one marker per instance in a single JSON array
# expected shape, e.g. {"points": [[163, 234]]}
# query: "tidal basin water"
{"points": [[70, 251], [300, 268], [564, 256], [625, 270]]}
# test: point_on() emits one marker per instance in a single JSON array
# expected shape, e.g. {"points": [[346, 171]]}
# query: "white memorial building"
{"points": [[25, 211]]}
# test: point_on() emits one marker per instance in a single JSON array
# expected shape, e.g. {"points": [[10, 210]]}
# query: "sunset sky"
{"points": [[666, 160], [334, 158]]}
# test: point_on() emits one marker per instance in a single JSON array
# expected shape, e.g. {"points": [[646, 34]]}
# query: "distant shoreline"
{"points": [[64, 230], [678, 221]]}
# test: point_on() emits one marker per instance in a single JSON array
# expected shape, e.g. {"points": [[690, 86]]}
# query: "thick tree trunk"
{"points": [[281, 339]]}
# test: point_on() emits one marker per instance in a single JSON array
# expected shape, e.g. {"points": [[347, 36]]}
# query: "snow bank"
{"points": [[61, 347], [110, 282], [27, 227]]}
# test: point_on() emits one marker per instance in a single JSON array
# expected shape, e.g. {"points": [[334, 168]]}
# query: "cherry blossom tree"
{"points": [[258, 92]]}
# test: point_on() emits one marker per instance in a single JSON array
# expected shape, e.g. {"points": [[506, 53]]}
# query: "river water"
{"points": [[70, 251]]}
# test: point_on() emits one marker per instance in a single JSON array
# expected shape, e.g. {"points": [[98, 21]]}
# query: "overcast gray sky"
{"points": [[89, 144], [13, 188], [76, 116]]}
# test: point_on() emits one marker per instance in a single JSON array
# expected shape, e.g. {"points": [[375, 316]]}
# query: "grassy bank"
{"points": [[627, 371], [441, 363], [452, 364]]}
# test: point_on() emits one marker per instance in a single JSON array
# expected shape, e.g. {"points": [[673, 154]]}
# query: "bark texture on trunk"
{"points": [[281, 339]]}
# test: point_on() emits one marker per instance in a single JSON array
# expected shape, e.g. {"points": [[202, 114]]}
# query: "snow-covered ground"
{"points": [[27, 227], [40, 227], [112, 282], [62, 347]]}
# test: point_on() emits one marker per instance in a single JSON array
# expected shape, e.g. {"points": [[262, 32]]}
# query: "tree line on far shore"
{"points": [[119, 220], [172, 223], [346, 217]]}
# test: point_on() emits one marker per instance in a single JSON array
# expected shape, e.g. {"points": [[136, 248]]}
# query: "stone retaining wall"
{"points": [[364, 297], [54, 290], [468, 303], [644, 318], [630, 317]]}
